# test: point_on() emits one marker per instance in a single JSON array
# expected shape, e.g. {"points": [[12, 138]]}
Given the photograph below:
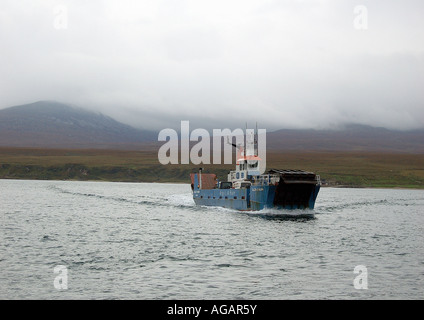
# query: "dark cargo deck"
{"points": [[295, 188]]}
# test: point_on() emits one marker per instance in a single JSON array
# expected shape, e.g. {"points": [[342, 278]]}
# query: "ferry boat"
{"points": [[246, 189]]}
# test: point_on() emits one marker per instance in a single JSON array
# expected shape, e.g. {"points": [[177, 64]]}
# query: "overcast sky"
{"points": [[285, 64]]}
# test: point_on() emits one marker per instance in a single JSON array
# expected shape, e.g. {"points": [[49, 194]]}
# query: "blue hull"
{"points": [[228, 198]]}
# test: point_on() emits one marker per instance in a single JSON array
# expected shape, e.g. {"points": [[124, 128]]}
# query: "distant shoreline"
{"points": [[188, 183], [336, 169]]}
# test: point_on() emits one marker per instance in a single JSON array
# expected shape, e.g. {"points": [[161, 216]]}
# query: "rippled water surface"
{"points": [[149, 241]]}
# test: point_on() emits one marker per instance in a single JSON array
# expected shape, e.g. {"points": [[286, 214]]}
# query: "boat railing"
{"points": [[318, 179], [266, 179]]}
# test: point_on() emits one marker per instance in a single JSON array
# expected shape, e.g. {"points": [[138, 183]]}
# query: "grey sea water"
{"points": [[149, 241]]}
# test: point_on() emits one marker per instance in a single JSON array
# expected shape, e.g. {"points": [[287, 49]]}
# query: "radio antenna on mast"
{"points": [[255, 140]]}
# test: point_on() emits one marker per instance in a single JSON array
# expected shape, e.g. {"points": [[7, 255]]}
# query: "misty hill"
{"points": [[48, 124], [352, 137]]}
